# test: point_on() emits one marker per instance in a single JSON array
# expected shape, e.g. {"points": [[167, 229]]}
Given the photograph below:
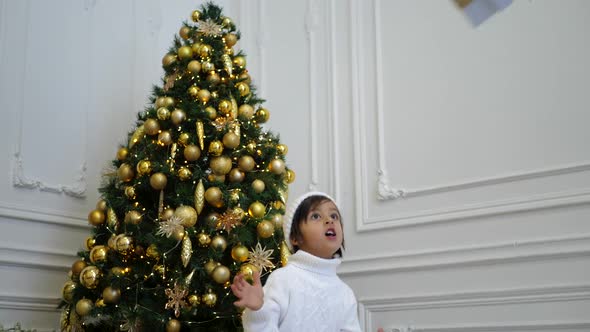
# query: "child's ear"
{"points": [[294, 241]]}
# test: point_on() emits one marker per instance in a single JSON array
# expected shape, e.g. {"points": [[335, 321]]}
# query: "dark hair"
{"points": [[300, 216]]}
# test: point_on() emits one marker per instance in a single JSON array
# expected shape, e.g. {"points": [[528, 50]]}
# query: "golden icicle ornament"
{"points": [[187, 251], [201, 134], [234, 110], [227, 63], [112, 221], [137, 135], [285, 253], [200, 197]]}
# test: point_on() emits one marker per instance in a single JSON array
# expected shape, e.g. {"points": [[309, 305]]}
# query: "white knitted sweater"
{"points": [[306, 295]]}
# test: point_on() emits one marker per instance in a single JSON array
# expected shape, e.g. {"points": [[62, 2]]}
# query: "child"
{"points": [[305, 295]]}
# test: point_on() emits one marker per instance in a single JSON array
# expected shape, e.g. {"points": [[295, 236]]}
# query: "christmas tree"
{"points": [[195, 195]]}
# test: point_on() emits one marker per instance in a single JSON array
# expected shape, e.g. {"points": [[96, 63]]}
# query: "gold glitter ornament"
{"points": [[289, 176], [167, 214], [163, 113], [230, 39], [183, 139], [285, 253], [220, 165], [144, 167], [194, 300], [240, 61], [186, 251], [203, 239], [207, 66], [282, 149], [124, 244], [243, 88], [152, 252], [213, 78], [277, 220], [151, 126], [248, 270], [201, 134], [205, 51], [215, 148], [187, 214], [200, 197], [184, 174], [227, 63], [112, 221], [224, 107], [196, 15], [246, 112]]}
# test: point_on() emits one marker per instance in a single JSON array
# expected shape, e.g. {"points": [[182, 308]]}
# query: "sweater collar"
{"points": [[309, 262]]}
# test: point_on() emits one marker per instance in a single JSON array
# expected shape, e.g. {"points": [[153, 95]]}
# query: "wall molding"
{"points": [[480, 255], [333, 104], [11, 302], [40, 259], [555, 293], [311, 27], [47, 216]]}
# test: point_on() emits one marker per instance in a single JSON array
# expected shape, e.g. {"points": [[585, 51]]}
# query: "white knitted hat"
{"points": [[288, 218]]}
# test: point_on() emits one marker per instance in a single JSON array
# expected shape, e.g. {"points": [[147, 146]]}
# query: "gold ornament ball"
{"points": [[183, 138], [240, 253], [204, 95], [158, 181], [248, 270], [246, 163], [187, 214], [185, 52], [240, 61], [218, 243], [251, 147], [112, 242], [257, 210], [221, 274], [130, 192], [220, 165], [133, 217], [196, 47], [68, 290], [184, 32], [96, 217], [194, 300], [239, 212], [277, 220], [226, 22], [184, 174], [84, 306], [215, 148], [290, 176], [98, 254], [152, 251], [278, 205], [122, 153], [167, 214], [179, 234], [230, 39], [213, 78], [205, 50], [163, 113], [231, 140], [90, 242], [125, 172], [173, 325], [101, 205], [277, 166], [168, 59], [211, 219], [207, 66], [196, 15], [151, 126], [213, 195], [117, 271], [258, 186], [124, 244], [216, 178], [244, 76], [203, 239], [210, 299], [77, 267], [262, 115], [160, 102], [144, 167], [282, 149], [224, 106], [243, 88], [265, 229], [193, 91], [211, 112], [236, 175], [111, 294], [210, 266], [194, 66], [177, 116], [245, 112], [192, 152], [90, 277], [168, 102], [165, 138]]}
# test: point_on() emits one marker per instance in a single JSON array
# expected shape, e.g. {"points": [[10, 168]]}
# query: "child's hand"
{"points": [[250, 296]]}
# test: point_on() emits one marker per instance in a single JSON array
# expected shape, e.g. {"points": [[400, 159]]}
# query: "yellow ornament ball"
{"points": [[90, 277], [224, 106], [230, 39], [246, 163], [98, 254], [240, 253], [194, 66], [152, 252], [178, 234], [248, 270], [122, 153], [196, 15], [258, 186], [68, 290], [111, 295], [277, 166], [236, 175], [84, 306], [240, 61], [218, 243], [100, 303], [177, 116], [265, 229], [163, 113], [124, 244], [220, 274], [220, 165], [187, 214], [290, 176], [243, 88], [257, 210], [96, 217], [215, 148], [168, 102], [167, 214], [231, 140], [101, 205], [165, 138], [244, 76], [133, 217], [158, 181], [210, 299], [207, 66], [90, 242], [213, 78], [282, 149], [184, 174], [226, 22], [211, 112], [210, 266], [277, 220], [185, 52], [192, 152], [205, 51], [130, 192], [194, 300], [183, 138], [204, 95], [262, 115], [144, 167], [173, 325], [193, 91], [168, 59], [213, 195], [184, 32], [151, 126], [245, 112], [125, 172]]}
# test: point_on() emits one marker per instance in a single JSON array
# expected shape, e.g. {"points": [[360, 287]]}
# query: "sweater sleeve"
{"points": [[351, 323], [267, 318]]}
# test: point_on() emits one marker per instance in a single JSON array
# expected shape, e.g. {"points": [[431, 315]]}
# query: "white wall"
{"points": [[458, 154]]}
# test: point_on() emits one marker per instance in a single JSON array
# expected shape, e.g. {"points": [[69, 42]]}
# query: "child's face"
{"points": [[321, 232]]}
